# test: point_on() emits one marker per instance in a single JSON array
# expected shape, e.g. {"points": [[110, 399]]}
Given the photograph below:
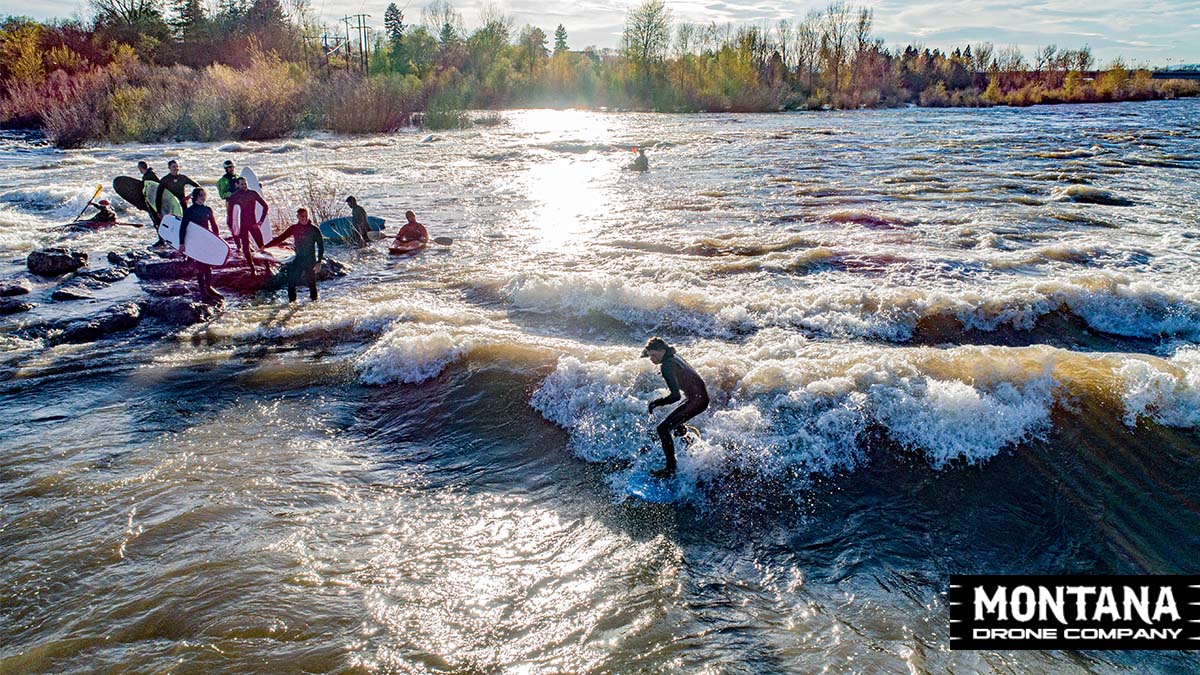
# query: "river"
{"points": [[937, 341]]}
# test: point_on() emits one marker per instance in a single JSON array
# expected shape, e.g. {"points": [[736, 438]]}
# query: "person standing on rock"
{"points": [[227, 183], [248, 224], [310, 249], [201, 215], [175, 183]]}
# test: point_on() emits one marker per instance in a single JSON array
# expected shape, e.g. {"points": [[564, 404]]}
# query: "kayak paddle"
{"points": [[89, 202]]}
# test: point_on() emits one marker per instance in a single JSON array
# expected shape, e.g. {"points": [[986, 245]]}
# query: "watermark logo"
{"points": [[1074, 612]]}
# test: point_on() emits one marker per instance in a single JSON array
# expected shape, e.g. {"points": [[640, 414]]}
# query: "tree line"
{"points": [[160, 69]]}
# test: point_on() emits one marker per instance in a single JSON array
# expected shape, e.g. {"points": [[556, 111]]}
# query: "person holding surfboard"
{"points": [[147, 173], [227, 183], [201, 215], [680, 377], [361, 226], [245, 199], [175, 183], [309, 247]]}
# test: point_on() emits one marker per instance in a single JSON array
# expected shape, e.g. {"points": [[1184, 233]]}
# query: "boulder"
{"points": [[72, 292], [14, 287], [128, 258], [115, 319], [108, 275], [169, 289], [180, 310], [51, 262], [10, 306], [164, 270]]}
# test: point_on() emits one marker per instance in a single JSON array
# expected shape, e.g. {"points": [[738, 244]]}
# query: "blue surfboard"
{"points": [[650, 489]]}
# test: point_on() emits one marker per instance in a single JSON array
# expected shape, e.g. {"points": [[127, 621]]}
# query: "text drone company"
{"points": [[1068, 612]]}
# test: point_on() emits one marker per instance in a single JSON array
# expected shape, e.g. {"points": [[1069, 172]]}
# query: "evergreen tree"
{"points": [[189, 19], [393, 22], [560, 39]]}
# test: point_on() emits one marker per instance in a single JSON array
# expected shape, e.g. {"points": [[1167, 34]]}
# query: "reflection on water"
{"points": [[937, 341]]}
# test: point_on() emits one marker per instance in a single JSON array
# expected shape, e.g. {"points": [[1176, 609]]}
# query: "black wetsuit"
{"points": [[310, 247], [203, 216], [147, 176], [361, 227], [174, 183], [680, 377], [104, 215]]}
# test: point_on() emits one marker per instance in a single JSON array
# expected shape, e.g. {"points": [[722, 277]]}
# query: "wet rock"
{"points": [[180, 310], [331, 268], [240, 280], [10, 306], [72, 292], [14, 287], [115, 319], [108, 275], [51, 262], [169, 289], [128, 258], [163, 270]]}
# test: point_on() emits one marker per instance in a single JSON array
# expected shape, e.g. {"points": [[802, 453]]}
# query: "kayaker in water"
{"points": [[680, 377], [640, 163], [361, 228], [200, 215], [227, 183], [411, 231], [248, 224], [309, 247], [104, 213], [175, 183]]}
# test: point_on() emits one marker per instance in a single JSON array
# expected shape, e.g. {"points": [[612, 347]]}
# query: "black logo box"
{"points": [[968, 632]]}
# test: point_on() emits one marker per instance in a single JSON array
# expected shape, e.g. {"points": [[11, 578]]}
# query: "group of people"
{"points": [[683, 382], [246, 211]]}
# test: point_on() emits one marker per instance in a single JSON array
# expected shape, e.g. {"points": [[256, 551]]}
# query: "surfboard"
{"points": [[170, 203], [275, 254], [253, 184], [130, 189], [656, 490], [650, 489], [202, 245], [340, 229]]}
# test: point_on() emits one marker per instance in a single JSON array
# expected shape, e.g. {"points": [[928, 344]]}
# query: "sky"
{"points": [[1151, 32]]}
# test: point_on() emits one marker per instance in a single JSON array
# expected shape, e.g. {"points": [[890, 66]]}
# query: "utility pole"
{"points": [[361, 21]]}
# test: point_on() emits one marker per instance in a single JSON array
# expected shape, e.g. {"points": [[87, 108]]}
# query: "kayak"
{"points": [[340, 229], [407, 247], [98, 224]]}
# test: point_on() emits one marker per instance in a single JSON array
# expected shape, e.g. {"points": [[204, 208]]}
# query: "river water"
{"points": [[938, 342]]}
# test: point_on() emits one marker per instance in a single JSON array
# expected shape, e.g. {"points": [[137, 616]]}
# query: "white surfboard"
{"points": [[275, 254], [202, 245], [259, 211]]}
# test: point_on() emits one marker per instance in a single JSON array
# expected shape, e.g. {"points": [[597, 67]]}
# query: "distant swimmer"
{"points": [[641, 163], [227, 183], [680, 377], [361, 228], [199, 214], [245, 199], [309, 247], [104, 213]]}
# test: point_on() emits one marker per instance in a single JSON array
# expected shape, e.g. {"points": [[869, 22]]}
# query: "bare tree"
{"points": [[835, 38], [783, 38], [440, 18], [982, 55], [647, 33], [127, 12], [807, 46]]}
